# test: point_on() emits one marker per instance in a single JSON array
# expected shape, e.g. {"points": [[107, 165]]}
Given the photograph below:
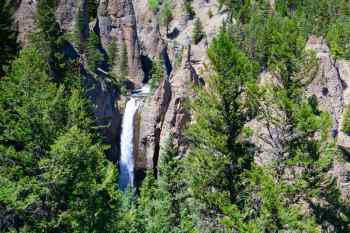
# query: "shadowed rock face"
{"points": [[104, 98], [151, 119], [101, 93]]}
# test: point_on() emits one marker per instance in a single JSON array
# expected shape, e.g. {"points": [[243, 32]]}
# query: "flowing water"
{"points": [[126, 169]]}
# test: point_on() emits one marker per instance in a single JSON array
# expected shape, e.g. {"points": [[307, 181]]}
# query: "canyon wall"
{"points": [[133, 24]]}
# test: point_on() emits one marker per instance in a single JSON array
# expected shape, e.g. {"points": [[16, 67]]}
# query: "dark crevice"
{"points": [[166, 60], [146, 63]]}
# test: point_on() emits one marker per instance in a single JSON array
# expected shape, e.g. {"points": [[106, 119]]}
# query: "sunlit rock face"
{"points": [[117, 24], [25, 20], [327, 86]]}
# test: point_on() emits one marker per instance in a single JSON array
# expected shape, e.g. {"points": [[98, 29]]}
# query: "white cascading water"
{"points": [[126, 165]]}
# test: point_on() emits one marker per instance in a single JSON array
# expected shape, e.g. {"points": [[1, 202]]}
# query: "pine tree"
{"points": [[48, 39], [8, 36], [113, 54], [217, 159], [94, 55], [124, 62], [157, 74], [189, 9], [162, 205], [197, 33], [51, 155], [84, 181], [166, 15], [285, 109]]}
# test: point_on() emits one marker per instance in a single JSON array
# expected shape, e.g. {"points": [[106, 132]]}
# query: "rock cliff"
{"points": [[131, 23]]}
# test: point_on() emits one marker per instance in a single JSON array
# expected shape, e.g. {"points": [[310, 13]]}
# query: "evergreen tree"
{"points": [[113, 54], [166, 15], [124, 63], [162, 205], [197, 33], [48, 38], [93, 53], [82, 179], [217, 158], [8, 36], [54, 174], [189, 9], [338, 38], [157, 74], [79, 37]]}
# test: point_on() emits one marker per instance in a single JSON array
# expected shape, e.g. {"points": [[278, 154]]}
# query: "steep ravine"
{"points": [[132, 23]]}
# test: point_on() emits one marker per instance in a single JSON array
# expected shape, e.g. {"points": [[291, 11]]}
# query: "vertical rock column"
{"points": [[117, 24], [25, 20]]}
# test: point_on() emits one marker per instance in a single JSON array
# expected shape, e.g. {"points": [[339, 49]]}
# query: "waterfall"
{"points": [[126, 164]]}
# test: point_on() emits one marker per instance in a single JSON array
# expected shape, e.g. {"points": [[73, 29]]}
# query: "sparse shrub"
{"points": [[338, 38], [157, 74], [153, 5], [166, 15], [113, 54], [210, 13], [346, 120], [189, 9], [197, 34], [79, 30], [123, 61], [94, 55]]}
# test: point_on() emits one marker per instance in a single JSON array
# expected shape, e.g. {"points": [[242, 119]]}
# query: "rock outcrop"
{"points": [[150, 125], [117, 24], [100, 91], [67, 13], [327, 85], [104, 98], [25, 20]]}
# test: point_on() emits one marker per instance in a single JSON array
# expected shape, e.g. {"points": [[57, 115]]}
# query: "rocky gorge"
{"points": [[166, 116], [164, 112]]}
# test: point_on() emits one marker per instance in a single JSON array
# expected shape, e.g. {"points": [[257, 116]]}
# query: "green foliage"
{"points": [[54, 175], [83, 180], [79, 37], [118, 65], [48, 38], [161, 205], [113, 54], [166, 15], [94, 55], [8, 36], [123, 61], [346, 120], [210, 13], [213, 172], [338, 38], [197, 33], [153, 5], [92, 9], [189, 9], [157, 74]]}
